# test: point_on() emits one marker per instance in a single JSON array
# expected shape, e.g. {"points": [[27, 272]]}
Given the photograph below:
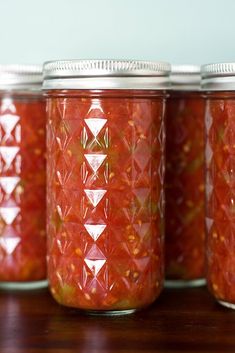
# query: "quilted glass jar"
{"points": [[185, 205], [22, 178], [219, 84], [105, 183]]}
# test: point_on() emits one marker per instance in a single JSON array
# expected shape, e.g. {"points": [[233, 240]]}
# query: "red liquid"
{"points": [[185, 216], [105, 201], [22, 189], [220, 153]]}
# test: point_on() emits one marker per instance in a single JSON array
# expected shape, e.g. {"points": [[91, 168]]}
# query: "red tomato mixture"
{"points": [[105, 200], [220, 156], [22, 189], [185, 234]]}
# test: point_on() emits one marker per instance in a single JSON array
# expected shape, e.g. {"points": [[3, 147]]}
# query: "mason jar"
{"points": [[185, 206], [218, 81], [22, 178], [105, 182]]}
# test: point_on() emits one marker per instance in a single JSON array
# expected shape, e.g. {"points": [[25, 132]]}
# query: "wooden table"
{"points": [[180, 321]]}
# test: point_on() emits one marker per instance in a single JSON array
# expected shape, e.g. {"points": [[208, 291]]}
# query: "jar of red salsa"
{"points": [[105, 183], [219, 84], [185, 230], [22, 178]]}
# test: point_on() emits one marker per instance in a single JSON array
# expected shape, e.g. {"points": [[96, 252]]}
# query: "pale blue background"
{"points": [[177, 31]]}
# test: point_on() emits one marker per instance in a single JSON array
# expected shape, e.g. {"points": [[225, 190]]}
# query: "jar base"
{"points": [[227, 305], [109, 312], [23, 285], [185, 284]]}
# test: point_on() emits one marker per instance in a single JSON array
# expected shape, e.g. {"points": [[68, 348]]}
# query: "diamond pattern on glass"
{"points": [[95, 125], [161, 171], [9, 244], [162, 135], [95, 265], [95, 259], [64, 137], [8, 154], [95, 196], [161, 205], [9, 183], [220, 195], [103, 192], [8, 123], [7, 105], [185, 229], [9, 211], [209, 223], [22, 188], [9, 165], [95, 160], [95, 230]]}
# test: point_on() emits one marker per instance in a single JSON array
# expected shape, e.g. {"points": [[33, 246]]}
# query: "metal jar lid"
{"points": [[218, 77], [185, 77], [105, 74], [20, 77]]}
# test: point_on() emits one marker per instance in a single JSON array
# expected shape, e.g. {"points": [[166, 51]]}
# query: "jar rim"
{"points": [[106, 74], [20, 76], [218, 76], [185, 77]]}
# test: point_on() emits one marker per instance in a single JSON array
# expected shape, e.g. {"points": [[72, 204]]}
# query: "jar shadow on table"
{"points": [[19, 311], [37, 322]]}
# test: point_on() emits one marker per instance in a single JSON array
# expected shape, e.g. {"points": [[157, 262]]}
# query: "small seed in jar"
{"points": [[78, 251], [37, 151], [189, 203], [186, 148], [87, 296], [201, 187], [131, 237], [136, 251]]}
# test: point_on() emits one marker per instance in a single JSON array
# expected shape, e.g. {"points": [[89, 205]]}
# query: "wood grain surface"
{"points": [[186, 320]]}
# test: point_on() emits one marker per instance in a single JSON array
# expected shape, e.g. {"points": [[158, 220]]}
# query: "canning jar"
{"points": [[185, 214], [105, 182], [219, 85], [22, 178]]}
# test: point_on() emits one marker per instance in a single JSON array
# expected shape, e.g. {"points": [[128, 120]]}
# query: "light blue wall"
{"points": [[173, 30]]}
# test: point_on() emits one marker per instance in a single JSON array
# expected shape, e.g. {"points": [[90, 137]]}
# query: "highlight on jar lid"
{"points": [[106, 74], [185, 77], [218, 77], [20, 77]]}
